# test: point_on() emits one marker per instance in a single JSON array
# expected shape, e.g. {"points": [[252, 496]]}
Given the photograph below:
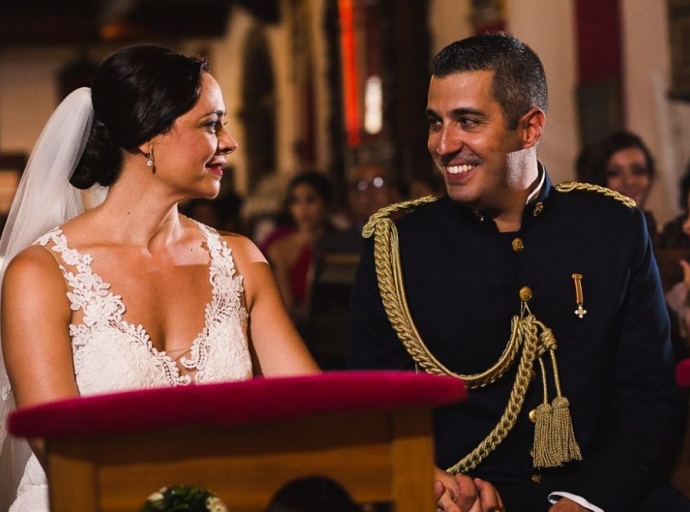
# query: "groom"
{"points": [[582, 412]]}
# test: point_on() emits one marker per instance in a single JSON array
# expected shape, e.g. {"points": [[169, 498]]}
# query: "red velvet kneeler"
{"points": [[683, 373], [370, 431]]}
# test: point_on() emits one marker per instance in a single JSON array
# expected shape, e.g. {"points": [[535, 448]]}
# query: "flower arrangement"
{"points": [[183, 498]]}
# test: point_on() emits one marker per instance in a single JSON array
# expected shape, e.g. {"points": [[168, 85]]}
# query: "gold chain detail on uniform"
{"points": [[569, 186], [526, 330]]}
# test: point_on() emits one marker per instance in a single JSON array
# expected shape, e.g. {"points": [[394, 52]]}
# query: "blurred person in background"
{"points": [[291, 251], [221, 213], [675, 232], [313, 494], [428, 184], [203, 210], [622, 162], [676, 245], [371, 186]]}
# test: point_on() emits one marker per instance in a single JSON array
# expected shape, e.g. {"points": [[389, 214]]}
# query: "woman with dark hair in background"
{"points": [[308, 202], [622, 162], [153, 298]]}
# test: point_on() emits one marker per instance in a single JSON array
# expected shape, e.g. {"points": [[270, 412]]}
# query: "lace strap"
{"points": [[222, 261], [68, 255], [84, 287]]}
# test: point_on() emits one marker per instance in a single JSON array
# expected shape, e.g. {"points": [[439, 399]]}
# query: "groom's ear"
{"points": [[531, 126]]}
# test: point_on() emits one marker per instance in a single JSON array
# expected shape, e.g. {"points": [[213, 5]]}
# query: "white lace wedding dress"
{"points": [[111, 354]]}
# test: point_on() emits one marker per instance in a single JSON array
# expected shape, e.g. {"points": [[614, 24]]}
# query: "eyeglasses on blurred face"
{"points": [[376, 183]]}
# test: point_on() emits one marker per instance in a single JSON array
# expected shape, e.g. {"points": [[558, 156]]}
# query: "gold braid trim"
{"points": [[385, 212], [569, 186], [526, 330]]}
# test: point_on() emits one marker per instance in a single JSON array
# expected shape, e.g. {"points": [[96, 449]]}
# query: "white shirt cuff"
{"points": [[555, 496]]}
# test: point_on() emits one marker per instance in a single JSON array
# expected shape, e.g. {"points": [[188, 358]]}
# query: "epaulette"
{"points": [[569, 186], [387, 211]]}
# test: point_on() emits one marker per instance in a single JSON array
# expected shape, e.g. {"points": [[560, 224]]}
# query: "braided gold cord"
{"points": [[569, 186], [391, 288], [557, 377], [524, 331], [385, 212], [555, 426], [517, 398]]}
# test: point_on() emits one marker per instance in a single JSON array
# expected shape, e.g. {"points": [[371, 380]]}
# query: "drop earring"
{"points": [[150, 163]]}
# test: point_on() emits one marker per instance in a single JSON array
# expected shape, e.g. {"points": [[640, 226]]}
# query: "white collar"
{"points": [[535, 193]]}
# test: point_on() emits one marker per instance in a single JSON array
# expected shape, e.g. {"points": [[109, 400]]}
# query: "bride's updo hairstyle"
{"points": [[138, 92]]}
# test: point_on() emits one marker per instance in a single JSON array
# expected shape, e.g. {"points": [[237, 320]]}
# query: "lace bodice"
{"points": [[111, 354]]}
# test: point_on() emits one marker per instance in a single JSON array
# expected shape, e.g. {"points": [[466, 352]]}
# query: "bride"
{"points": [[130, 293]]}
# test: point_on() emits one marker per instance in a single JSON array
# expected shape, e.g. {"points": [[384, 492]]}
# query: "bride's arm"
{"points": [[35, 331], [274, 338]]}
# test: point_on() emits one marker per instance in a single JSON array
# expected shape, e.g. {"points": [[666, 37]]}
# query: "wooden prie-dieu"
{"points": [[369, 431]]}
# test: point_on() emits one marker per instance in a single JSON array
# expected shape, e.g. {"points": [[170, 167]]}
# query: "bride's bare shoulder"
{"points": [[33, 267]]}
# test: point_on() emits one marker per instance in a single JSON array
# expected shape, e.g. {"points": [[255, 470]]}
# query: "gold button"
{"points": [[525, 293], [533, 415], [538, 209], [536, 478], [531, 452], [518, 244]]}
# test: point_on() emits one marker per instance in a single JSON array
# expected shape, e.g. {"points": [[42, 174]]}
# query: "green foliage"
{"points": [[183, 498]]}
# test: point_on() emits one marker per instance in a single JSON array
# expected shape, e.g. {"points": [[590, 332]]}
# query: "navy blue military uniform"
{"points": [[462, 280]]}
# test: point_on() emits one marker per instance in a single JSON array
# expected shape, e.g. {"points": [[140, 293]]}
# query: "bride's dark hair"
{"points": [[137, 93]]}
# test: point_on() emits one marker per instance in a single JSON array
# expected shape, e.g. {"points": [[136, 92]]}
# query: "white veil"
{"points": [[44, 199]]}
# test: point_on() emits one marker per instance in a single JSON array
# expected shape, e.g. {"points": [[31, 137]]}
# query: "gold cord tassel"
{"points": [[567, 448], [554, 438], [543, 427], [543, 437]]}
